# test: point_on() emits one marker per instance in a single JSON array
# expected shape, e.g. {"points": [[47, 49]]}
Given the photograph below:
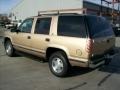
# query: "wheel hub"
{"points": [[57, 65], [8, 48]]}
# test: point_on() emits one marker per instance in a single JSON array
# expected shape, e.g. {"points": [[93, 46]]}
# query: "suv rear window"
{"points": [[99, 27], [72, 26]]}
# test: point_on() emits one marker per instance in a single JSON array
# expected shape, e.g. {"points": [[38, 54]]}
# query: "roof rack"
{"points": [[63, 11]]}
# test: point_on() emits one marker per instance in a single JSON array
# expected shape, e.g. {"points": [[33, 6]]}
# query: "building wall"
{"points": [[27, 8], [95, 8]]}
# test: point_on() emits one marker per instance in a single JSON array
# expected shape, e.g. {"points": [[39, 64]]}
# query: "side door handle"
{"points": [[29, 37], [47, 39]]}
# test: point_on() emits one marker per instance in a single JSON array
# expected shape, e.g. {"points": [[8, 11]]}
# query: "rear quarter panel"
{"points": [[76, 47]]}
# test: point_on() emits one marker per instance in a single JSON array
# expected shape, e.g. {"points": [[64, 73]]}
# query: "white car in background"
{"points": [[13, 23]]}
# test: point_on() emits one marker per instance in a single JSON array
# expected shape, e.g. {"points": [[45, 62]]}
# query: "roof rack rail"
{"points": [[63, 11]]}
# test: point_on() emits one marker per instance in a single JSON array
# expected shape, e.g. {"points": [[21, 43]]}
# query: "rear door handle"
{"points": [[29, 37], [47, 39]]}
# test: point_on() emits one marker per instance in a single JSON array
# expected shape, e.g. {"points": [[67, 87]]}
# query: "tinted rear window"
{"points": [[43, 26], [71, 26], [99, 27]]}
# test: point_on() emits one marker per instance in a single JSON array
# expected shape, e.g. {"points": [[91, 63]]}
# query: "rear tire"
{"points": [[9, 48], [58, 64]]}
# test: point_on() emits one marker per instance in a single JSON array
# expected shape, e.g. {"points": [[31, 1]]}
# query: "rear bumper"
{"points": [[94, 65], [106, 58], [96, 61]]}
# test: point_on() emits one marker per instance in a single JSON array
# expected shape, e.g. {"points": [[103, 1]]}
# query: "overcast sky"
{"points": [[6, 5]]}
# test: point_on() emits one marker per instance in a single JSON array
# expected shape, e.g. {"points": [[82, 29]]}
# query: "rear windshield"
{"points": [[99, 27]]}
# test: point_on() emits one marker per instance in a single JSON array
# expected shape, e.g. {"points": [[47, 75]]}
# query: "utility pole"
{"points": [[119, 13], [101, 8], [113, 2]]}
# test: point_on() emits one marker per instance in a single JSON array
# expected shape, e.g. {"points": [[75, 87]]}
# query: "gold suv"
{"points": [[64, 40]]}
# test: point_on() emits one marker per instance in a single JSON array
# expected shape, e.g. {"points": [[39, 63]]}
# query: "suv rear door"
{"points": [[41, 38], [102, 34], [71, 35]]}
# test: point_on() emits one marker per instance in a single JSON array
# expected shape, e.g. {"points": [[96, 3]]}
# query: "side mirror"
{"points": [[15, 29]]}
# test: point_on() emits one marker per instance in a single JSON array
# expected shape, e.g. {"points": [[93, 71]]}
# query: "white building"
{"points": [[27, 8]]}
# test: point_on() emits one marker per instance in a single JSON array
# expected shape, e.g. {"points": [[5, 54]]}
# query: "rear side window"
{"points": [[72, 26], [99, 27], [43, 26]]}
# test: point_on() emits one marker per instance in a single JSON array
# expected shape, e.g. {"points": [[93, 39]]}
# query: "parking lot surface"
{"points": [[25, 72]]}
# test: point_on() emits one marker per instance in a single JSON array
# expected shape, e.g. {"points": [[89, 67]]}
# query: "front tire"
{"points": [[9, 48], [58, 64]]}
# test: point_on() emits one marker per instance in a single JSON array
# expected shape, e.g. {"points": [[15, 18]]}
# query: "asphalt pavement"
{"points": [[24, 72]]}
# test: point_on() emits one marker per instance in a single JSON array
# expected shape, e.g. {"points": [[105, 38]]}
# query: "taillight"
{"points": [[89, 45]]}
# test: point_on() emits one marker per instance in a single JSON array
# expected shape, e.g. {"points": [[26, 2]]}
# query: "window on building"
{"points": [[72, 26], [43, 26]]}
